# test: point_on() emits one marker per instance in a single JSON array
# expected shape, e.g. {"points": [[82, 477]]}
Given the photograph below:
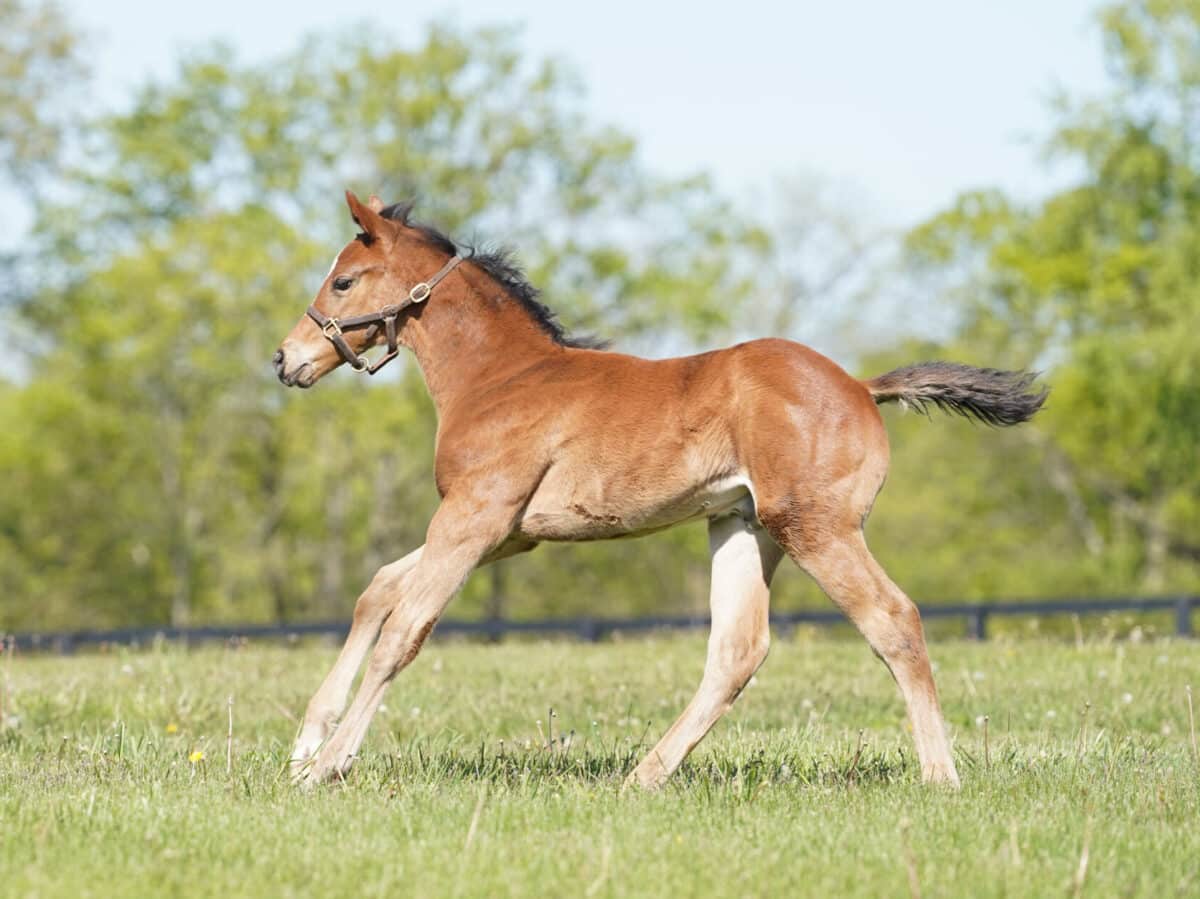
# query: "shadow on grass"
{"points": [[608, 766]]}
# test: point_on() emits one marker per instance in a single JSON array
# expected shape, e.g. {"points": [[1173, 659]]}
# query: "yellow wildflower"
{"points": [[172, 728], [196, 756]]}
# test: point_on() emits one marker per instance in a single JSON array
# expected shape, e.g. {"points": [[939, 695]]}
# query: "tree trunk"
{"points": [[1157, 539], [174, 496], [333, 553]]}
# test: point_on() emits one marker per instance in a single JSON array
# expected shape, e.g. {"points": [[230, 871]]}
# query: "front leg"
{"points": [[370, 612], [464, 532]]}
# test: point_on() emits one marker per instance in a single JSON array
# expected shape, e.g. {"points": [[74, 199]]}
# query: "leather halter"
{"points": [[386, 318]]}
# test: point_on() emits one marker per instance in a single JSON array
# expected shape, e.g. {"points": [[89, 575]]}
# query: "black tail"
{"points": [[995, 397]]}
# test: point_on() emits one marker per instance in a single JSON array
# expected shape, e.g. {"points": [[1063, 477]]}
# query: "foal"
{"points": [[544, 438]]}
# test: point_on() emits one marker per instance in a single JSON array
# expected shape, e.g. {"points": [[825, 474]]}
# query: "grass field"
{"points": [[113, 777]]}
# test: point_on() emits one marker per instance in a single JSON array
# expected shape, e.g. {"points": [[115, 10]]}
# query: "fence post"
{"points": [[977, 623], [1183, 616], [64, 645]]}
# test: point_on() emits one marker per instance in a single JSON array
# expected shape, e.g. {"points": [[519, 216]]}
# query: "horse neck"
{"points": [[468, 336]]}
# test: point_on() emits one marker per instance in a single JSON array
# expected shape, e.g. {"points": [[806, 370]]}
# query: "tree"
{"points": [[821, 276], [40, 69], [1102, 282], [177, 254]]}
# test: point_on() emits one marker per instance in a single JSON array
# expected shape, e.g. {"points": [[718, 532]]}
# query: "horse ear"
{"points": [[368, 218]]}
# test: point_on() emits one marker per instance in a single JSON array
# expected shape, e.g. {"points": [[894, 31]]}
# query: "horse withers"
{"points": [[542, 438]]}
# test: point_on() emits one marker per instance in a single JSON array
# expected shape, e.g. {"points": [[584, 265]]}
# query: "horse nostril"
{"points": [[277, 359]]}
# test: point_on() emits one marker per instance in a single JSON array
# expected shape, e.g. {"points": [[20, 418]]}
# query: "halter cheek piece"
{"points": [[386, 318]]}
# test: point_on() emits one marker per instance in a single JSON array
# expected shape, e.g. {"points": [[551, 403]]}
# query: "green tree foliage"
{"points": [[40, 68], [184, 482], [1101, 283], [157, 472]]}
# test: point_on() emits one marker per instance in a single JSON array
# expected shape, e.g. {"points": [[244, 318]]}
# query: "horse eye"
{"points": [[342, 283]]}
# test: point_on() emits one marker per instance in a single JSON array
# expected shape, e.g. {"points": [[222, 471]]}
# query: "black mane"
{"points": [[499, 265]]}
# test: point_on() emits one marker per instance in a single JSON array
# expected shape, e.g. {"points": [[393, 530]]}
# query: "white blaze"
{"points": [[332, 266]]}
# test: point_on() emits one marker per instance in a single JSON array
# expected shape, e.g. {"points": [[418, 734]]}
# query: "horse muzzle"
{"points": [[302, 375]]}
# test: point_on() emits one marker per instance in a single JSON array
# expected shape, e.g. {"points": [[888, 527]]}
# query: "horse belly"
{"points": [[605, 512]]}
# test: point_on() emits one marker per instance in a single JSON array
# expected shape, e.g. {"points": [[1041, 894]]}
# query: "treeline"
{"points": [[156, 471]]}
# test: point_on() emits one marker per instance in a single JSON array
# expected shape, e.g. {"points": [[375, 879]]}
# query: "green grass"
{"points": [[809, 787]]}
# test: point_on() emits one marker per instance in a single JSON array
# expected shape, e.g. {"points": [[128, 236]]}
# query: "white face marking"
{"points": [[333, 265]]}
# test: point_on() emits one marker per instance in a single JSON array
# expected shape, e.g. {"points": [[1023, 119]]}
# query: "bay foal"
{"points": [[543, 438]]}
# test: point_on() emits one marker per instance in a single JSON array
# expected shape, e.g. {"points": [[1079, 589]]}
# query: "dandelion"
{"points": [[1127, 698], [1051, 714], [196, 757], [172, 728]]}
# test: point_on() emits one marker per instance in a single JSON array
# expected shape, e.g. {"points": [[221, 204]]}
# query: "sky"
{"points": [[905, 103]]}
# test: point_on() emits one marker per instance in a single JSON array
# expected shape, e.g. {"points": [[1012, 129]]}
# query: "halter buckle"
{"points": [[331, 327], [419, 292]]}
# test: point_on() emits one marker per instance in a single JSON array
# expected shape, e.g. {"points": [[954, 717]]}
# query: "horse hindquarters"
{"points": [[814, 501]]}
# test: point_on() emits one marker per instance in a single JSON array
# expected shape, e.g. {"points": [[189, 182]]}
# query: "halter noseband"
{"points": [[333, 327]]}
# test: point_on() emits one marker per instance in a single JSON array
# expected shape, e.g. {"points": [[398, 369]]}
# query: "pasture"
{"points": [[115, 779]]}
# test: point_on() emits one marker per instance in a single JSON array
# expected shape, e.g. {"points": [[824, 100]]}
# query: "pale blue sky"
{"points": [[909, 102]]}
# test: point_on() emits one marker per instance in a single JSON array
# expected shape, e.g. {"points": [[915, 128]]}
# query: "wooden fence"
{"points": [[975, 616]]}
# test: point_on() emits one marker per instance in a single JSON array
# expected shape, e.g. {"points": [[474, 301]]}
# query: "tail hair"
{"points": [[998, 398]]}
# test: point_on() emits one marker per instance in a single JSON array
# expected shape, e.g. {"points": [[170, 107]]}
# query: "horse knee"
{"points": [[381, 593], [369, 604], [405, 634]]}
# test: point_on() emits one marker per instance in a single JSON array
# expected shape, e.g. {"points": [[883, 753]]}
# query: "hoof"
{"points": [[649, 776], [322, 770], [942, 776], [305, 773], [309, 744]]}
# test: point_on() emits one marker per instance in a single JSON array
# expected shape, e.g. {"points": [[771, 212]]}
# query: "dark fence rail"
{"points": [[976, 616]]}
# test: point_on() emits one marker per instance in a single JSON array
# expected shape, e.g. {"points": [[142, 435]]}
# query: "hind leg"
{"points": [[744, 558], [891, 623]]}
